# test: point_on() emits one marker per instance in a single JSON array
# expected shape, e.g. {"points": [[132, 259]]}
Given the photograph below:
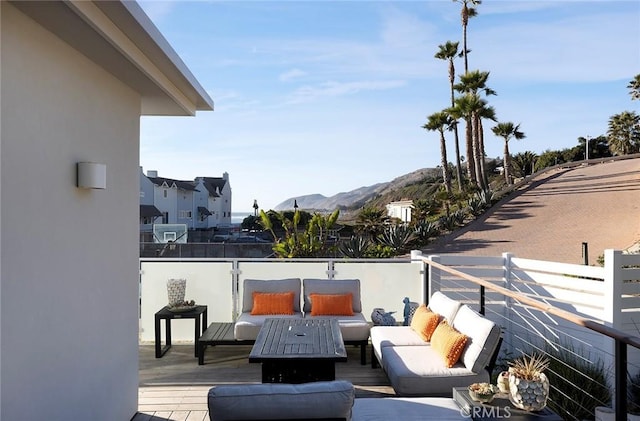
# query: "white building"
{"points": [[76, 77], [400, 210], [204, 203]]}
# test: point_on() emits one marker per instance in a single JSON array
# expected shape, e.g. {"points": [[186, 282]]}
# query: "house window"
{"points": [[164, 192], [165, 217], [184, 214]]}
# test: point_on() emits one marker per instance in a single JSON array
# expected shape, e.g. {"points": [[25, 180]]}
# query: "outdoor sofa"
{"points": [[333, 294], [332, 400], [416, 368]]}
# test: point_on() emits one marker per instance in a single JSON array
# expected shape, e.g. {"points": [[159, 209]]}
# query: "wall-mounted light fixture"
{"points": [[92, 175]]}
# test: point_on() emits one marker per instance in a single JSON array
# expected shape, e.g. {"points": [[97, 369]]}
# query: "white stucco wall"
{"points": [[69, 268]]}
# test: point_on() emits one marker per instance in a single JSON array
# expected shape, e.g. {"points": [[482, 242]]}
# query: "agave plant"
{"points": [[425, 230], [397, 237], [529, 367], [355, 247]]}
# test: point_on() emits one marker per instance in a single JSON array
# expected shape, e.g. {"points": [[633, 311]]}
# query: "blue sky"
{"points": [[325, 97]]}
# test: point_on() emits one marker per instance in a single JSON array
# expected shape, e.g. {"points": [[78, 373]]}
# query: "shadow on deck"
{"points": [[175, 387]]}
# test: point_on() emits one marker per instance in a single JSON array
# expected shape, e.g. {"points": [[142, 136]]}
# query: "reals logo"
{"points": [[495, 412]]}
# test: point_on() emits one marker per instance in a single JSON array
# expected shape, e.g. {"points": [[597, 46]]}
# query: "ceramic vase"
{"points": [[503, 382], [175, 291], [530, 395]]}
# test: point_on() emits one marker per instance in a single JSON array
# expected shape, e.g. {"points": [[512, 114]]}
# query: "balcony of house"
{"points": [[583, 319]]}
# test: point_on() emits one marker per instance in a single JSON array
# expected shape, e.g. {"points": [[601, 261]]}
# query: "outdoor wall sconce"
{"points": [[92, 175]]}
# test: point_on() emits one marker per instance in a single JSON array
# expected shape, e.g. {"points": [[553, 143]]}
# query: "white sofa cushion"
{"points": [[332, 399], [332, 286], [382, 336], [247, 326], [483, 339], [444, 306], [385, 409], [352, 328], [420, 371], [274, 285]]}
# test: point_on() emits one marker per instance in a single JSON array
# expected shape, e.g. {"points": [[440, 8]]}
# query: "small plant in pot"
{"points": [[528, 385]]}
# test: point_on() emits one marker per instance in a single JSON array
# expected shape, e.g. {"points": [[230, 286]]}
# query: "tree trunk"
{"points": [[483, 166], [452, 78], [445, 170], [506, 162], [476, 152], [471, 166]]}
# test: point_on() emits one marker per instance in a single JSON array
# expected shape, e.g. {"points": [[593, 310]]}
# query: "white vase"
{"points": [[176, 289], [529, 395]]}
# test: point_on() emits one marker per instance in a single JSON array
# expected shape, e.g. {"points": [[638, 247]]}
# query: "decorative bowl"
{"points": [[482, 392]]}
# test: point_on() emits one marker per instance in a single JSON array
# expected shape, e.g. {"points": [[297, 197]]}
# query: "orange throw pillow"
{"points": [[331, 304], [265, 303], [449, 343], [425, 322]]}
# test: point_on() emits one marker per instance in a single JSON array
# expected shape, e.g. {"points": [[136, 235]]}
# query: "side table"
{"points": [[199, 314], [498, 409]]}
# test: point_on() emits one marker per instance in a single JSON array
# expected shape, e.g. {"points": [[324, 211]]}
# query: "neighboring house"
{"points": [[400, 210], [76, 77], [216, 193], [149, 214], [201, 204]]}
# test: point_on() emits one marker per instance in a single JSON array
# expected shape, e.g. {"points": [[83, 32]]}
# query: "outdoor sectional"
{"points": [[354, 328], [332, 400], [414, 368]]}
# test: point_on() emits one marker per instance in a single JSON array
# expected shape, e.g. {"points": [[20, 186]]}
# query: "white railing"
{"points": [[607, 296], [218, 284]]}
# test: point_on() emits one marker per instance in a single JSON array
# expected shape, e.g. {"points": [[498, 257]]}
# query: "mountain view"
{"points": [[358, 197]]}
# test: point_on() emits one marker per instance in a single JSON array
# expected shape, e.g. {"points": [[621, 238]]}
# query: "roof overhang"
{"points": [[119, 37]]}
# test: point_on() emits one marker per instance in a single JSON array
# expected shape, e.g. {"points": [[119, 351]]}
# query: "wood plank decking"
{"points": [[175, 387]]}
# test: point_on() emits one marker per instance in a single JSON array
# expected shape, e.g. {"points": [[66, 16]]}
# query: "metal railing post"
{"points": [[621, 380]]}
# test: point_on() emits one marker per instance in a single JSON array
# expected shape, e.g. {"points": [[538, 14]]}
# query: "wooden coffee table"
{"points": [[298, 350]]}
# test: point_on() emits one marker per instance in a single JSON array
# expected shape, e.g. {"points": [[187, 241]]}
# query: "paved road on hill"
{"points": [[550, 218]]}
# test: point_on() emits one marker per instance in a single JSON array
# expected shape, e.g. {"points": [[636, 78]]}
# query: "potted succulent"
{"points": [[528, 385], [482, 392]]}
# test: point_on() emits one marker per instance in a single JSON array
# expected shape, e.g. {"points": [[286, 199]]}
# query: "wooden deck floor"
{"points": [[175, 387]]}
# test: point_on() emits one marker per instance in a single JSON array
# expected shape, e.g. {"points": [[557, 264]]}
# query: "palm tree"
{"points": [[474, 83], [524, 163], [440, 122], [634, 87], [624, 133], [371, 222], [448, 52], [507, 131], [461, 110], [465, 13]]}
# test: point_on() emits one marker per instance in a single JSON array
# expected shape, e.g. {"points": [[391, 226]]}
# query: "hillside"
{"points": [[413, 185]]}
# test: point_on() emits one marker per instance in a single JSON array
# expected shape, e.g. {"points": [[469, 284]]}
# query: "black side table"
{"points": [[199, 314], [498, 409]]}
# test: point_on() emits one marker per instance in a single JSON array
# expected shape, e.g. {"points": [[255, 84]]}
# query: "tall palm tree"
{"points": [[634, 87], [460, 110], [507, 131], [488, 113], [624, 133], [465, 13], [441, 121], [448, 52], [475, 83]]}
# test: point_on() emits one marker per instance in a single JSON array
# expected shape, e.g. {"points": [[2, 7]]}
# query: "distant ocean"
{"points": [[238, 217]]}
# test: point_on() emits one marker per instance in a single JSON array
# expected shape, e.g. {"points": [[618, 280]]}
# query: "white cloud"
{"points": [[291, 74], [334, 89]]}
